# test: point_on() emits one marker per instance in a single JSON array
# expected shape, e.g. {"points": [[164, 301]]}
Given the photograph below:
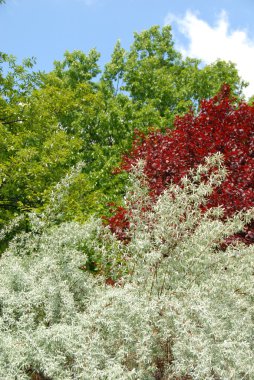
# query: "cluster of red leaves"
{"points": [[222, 125], [119, 223]]}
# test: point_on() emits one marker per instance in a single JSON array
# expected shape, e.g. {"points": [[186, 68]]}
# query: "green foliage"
{"points": [[16, 87], [155, 74], [35, 154], [77, 67], [180, 307]]}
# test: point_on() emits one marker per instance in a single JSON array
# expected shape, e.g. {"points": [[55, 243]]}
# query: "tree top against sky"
{"points": [[45, 29]]}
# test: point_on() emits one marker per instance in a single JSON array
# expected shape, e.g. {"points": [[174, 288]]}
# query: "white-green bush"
{"points": [[181, 306]]}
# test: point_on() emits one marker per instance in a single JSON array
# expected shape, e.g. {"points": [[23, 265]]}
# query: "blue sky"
{"points": [[207, 29]]}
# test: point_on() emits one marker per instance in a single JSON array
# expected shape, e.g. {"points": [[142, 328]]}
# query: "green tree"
{"points": [[77, 67], [35, 150], [157, 77]]}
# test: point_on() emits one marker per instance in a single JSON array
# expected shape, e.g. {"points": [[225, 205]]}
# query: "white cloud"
{"points": [[209, 43]]}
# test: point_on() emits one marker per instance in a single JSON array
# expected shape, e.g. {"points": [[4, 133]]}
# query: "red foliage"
{"points": [[119, 223], [222, 125]]}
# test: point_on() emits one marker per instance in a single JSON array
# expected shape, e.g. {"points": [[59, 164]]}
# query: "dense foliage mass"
{"points": [[172, 299], [49, 122], [180, 309], [222, 125]]}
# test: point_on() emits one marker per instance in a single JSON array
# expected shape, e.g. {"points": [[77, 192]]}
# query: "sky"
{"points": [[204, 29]]}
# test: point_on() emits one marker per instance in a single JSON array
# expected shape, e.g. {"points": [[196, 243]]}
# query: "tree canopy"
{"points": [[79, 111]]}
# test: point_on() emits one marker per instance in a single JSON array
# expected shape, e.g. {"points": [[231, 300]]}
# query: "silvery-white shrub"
{"points": [[181, 305]]}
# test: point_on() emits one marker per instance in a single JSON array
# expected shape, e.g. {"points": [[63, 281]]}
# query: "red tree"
{"points": [[222, 125]]}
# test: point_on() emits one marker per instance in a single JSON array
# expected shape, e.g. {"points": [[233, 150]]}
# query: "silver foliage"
{"points": [[181, 306]]}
